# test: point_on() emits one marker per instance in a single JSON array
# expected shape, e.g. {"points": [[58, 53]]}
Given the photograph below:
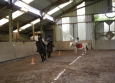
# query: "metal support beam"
{"points": [[18, 33], [10, 23], [10, 26], [41, 27], [33, 31], [54, 31]]}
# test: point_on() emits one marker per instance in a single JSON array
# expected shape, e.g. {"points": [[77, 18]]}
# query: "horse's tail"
{"points": [[87, 46]]}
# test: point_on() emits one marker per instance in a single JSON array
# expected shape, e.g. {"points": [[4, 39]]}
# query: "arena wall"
{"points": [[11, 51]]}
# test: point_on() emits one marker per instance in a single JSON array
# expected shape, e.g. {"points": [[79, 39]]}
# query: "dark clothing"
{"points": [[49, 39], [41, 47], [50, 46]]}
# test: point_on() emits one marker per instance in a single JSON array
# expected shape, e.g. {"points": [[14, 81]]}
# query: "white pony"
{"points": [[80, 46]]}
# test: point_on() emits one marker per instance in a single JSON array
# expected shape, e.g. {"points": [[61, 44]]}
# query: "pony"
{"points": [[80, 46], [50, 47]]}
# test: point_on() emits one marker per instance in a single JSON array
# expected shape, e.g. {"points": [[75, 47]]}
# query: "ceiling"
{"points": [[43, 6]]}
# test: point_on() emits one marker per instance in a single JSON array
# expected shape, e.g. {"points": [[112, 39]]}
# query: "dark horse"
{"points": [[41, 48], [50, 47]]}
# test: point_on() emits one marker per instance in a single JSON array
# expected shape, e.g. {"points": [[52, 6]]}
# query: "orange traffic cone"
{"points": [[59, 53], [32, 61]]}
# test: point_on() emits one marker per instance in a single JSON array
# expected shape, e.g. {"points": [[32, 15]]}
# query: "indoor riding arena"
{"points": [[57, 41], [97, 66]]}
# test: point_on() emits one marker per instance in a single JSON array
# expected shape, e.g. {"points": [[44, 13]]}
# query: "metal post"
{"points": [[54, 32], [10, 23], [41, 28], [18, 33], [33, 31]]}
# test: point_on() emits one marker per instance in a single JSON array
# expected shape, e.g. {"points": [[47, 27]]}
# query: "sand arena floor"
{"points": [[97, 66]]}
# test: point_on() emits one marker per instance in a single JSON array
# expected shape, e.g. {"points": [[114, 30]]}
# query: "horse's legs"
{"points": [[49, 53], [42, 57], [84, 49], [75, 49]]}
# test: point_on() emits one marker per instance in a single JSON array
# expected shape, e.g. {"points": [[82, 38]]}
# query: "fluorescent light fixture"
{"points": [[17, 14], [53, 11], [15, 31], [58, 8], [35, 21], [25, 26], [65, 4], [27, 1], [3, 21], [22, 28]]}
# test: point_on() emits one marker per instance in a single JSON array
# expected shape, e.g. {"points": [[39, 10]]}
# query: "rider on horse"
{"points": [[77, 42], [49, 40], [41, 47], [50, 46]]}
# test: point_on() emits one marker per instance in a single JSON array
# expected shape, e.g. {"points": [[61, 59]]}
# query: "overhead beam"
{"points": [[2, 8]]}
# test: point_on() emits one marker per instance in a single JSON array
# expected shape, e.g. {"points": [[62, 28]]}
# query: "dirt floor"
{"points": [[97, 66]]}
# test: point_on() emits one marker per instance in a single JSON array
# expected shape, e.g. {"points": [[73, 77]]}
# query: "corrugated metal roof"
{"points": [[42, 5]]}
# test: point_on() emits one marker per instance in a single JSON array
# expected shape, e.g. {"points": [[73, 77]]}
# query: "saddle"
{"points": [[79, 45]]}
